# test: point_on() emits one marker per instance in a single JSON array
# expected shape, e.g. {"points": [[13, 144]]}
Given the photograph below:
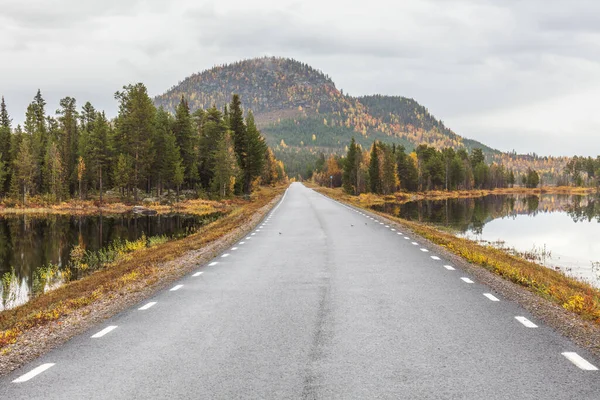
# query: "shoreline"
{"points": [[31, 330]]}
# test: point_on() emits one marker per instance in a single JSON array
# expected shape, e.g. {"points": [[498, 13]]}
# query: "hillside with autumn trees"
{"points": [[302, 115]]}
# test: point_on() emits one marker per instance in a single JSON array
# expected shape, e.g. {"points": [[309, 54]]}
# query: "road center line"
{"points": [[174, 288], [526, 322], [491, 297], [198, 274], [449, 267], [212, 264], [104, 331], [579, 361], [147, 306], [34, 372], [466, 280]]}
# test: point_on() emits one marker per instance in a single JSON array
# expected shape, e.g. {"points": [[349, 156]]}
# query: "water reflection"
{"points": [[562, 229], [29, 243]]}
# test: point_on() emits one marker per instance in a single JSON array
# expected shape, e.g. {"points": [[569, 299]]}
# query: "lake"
{"points": [[28, 244], [559, 231]]}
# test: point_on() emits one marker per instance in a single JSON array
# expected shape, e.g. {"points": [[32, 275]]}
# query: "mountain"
{"points": [[302, 113]]}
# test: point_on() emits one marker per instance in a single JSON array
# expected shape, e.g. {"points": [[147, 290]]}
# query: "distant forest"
{"points": [[144, 150], [386, 169]]}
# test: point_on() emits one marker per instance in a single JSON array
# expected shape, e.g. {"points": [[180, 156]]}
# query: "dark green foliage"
{"points": [[531, 179], [407, 171], [257, 149], [351, 167], [374, 170], [186, 141]]}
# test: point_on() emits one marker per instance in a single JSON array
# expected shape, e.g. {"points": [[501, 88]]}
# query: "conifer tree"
{"points": [[255, 159], [213, 130], [97, 148], [54, 174], [351, 167], [25, 169], [389, 181], [122, 173], [5, 143], [374, 171], [186, 141], [69, 139], [135, 127], [225, 167]]}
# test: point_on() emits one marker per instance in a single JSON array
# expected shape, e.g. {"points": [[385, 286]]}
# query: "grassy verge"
{"points": [[141, 266], [572, 294]]}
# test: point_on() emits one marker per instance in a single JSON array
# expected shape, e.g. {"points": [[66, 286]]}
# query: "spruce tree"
{"points": [[135, 127], [213, 130], [225, 167], [351, 167], [97, 148], [54, 174], [186, 140], [235, 119], [374, 171], [5, 143], [25, 170], [256, 149], [69, 139]]}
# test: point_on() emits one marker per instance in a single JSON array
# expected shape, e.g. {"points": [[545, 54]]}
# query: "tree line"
{"points": [[385, 169], [144, 149]]}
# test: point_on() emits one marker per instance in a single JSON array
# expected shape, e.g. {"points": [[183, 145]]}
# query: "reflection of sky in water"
{"points": [[574, 245]]}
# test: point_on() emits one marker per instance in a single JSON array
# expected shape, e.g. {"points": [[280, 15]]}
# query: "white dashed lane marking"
{"points": [[449, 267], [579, 361], [466, 280], [425, 250], [242, 242], [198, 274], [491, 297], [414, 243], [147, 306], [225, 255], [406, 237], [234, 248], [175, 288], [212, 264], [435, 258], [526, 322], [104, 331], [34, 372], [248, 238]]}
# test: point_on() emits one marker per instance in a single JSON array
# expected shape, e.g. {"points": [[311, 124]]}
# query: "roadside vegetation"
{"points": [[573, 295], [136, 265]]}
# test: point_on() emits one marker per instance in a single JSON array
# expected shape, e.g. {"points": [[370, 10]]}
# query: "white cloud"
{"points": [[511, 74]]}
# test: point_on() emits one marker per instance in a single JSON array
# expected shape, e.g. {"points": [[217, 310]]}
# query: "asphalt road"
{"points": [[320, 302]]}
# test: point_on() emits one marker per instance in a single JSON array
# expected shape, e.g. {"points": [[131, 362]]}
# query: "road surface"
{"points": [[319, 302]]}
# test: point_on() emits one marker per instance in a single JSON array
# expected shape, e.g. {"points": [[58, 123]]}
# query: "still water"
{"points": [[559, 231], [27, 244]]}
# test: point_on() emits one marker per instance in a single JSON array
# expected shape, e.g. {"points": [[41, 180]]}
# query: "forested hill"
{"points": [[300, 105]]}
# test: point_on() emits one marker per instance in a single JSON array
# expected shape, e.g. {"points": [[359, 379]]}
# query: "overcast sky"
{"points": [[514, 74]]}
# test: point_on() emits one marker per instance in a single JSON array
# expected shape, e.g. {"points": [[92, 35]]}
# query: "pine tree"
{"points": [[374, 172], [54, 174], [69, 139], [351, 167], [5, 143], [122, 173], [238, 129], [135, 127], [389, 181], [25, 170], [225, 167], [186, 140], [97, 147], [213, 130], [256, 149]]}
